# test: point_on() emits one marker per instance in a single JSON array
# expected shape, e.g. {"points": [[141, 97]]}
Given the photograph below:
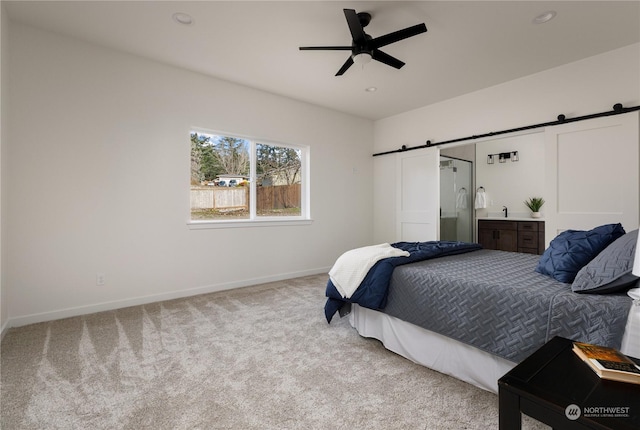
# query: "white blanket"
{"points": [[352, 267]]}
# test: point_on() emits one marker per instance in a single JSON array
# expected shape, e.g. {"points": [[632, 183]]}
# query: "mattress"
{"points": [[495, 301]]}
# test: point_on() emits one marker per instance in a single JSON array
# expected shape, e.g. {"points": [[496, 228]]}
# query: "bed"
{"points": [[476, 314]]}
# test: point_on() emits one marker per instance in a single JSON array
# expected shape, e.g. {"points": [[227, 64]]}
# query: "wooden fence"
{"points": [[278, 197], [219, 197], [272, 197]]}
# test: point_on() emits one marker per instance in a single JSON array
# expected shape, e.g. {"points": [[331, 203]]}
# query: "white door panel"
{"points": [[418, 195], [592, 174]]}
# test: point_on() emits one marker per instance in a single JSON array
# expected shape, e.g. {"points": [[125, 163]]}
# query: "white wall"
{"points": [[588, 86], [4, 49], [511, 183], [98, 166]]}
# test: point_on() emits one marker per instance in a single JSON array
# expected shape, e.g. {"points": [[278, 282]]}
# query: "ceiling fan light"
{"points": [[362, 58]]}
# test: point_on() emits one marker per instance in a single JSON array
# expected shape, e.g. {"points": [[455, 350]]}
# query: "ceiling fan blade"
{"points": [[345, 66], [387, 59], [357, 32], [396, 36], [326, 48]]}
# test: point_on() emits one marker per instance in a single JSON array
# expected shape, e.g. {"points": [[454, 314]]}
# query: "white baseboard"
{"points": [[118, 304], [4, 329]]}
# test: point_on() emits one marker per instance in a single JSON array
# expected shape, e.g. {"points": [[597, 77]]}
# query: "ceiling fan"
{"points": [[363, 47]]}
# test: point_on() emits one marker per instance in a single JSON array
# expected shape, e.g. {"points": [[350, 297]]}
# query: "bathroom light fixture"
{"points": [[503, 156], [371, 89], [182, 18]]}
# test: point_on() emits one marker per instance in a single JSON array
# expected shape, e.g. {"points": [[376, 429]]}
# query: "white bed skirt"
{"points": [[452, 357], [431, 349]]}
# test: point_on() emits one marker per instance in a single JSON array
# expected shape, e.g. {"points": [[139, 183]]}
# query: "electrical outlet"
{"points": [[101, 279]]}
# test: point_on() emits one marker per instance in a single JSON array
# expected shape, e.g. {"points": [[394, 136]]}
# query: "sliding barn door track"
{"points": [[617, 110]]}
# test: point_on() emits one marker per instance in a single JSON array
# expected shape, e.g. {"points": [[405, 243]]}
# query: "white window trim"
{"points": [[271, 222], [254, 220]]}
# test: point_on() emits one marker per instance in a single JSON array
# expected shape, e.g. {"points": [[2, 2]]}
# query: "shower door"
{"points": [[456, 199]]}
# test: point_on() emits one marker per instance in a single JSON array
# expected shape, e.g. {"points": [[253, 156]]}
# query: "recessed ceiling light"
{"points": [[182, 18], [544, 17], [371, 89]]}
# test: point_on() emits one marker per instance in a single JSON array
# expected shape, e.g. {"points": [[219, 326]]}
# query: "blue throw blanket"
{"points": [[372, 292]]}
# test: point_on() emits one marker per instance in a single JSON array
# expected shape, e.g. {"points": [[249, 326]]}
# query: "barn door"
{"points": [[592, 174], [418, 195]]}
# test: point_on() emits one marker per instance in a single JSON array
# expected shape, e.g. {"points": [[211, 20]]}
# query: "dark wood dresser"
{"points": [[513, 236]]}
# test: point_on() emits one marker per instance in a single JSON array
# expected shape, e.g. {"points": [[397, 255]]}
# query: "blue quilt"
{"points": [[372, 292]]}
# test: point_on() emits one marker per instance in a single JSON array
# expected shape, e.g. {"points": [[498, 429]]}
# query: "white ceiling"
{"points": [[469, 45]]}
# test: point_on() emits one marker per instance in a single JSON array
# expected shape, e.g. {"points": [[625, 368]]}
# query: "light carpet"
{"points": [[260, 357]]}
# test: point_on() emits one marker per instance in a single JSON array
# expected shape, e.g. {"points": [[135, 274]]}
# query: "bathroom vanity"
{"points": [[512, 234]]}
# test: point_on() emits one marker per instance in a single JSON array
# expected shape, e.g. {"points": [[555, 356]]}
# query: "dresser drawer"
{"points": [[528, 225], [528, 239], [498, 225]]}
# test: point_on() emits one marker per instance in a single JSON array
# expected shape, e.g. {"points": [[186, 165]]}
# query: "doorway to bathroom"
{"points": [[456, 199]]}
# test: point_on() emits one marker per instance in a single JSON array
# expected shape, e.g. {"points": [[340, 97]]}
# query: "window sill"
{"points": [[203, 225]]}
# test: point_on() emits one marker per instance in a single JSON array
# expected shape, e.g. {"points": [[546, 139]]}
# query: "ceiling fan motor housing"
{"points": [[363, 47], [364, 18]]}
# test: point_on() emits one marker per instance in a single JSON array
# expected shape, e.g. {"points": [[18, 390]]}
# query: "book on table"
{"points": [[608, 363]]}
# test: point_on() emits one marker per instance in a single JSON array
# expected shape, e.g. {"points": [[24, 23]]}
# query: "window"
{"points": [[240, 179]]}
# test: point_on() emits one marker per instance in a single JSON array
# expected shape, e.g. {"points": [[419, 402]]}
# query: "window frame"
{"points": [[254, 220]]}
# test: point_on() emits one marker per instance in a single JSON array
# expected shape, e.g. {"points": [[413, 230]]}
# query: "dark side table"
{"points": [[555, 387]]}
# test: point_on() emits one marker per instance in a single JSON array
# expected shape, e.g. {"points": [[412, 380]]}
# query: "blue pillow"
{"points": [[571, 250]]}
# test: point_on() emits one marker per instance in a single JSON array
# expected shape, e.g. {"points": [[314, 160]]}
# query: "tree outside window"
{"points": [[237, 178]]}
